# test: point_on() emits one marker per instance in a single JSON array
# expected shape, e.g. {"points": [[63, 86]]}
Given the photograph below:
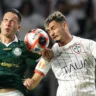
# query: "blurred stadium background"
{"points": [[81, 18]]}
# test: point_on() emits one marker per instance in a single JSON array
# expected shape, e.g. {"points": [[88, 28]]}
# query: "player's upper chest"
{"points": [[13, 50], [73, 54]]}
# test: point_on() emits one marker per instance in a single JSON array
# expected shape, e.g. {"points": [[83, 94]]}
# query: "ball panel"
{"points": [[26, 41], [32, 40]]}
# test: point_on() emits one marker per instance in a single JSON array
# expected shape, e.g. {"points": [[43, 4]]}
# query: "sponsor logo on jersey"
{"points": [[77, 48], [7, 49], [75, 66], [17, 51], [42, 64], [5, 64]]}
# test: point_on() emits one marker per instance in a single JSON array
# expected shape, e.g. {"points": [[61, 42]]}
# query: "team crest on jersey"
{"points": [[77, 48], [17, 51]]}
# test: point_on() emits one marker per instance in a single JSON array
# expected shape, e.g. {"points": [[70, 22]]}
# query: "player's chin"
{"points": [[57, 40]]}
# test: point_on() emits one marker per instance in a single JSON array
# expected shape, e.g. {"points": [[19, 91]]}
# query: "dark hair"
{"points": [[15, 11], [57, 16]]}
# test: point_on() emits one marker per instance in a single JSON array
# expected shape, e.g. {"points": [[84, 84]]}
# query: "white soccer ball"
{"points": [[36, 40]]}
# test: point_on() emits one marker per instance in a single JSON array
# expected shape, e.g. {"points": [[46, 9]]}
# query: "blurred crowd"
{"points": [[81, 18]]}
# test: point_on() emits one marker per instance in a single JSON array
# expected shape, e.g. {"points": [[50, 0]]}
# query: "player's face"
{"points": [[9, 24], [57, 31]]}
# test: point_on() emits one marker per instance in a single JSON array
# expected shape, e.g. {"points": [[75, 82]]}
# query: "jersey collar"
{"points": [[73, 41], [15, 40]]}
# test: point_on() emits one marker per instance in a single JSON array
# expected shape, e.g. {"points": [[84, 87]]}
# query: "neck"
{"points": [[6, 39], [66, 41]]}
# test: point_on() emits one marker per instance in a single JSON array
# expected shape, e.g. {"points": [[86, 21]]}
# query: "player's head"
{"points": [[56, 26], [16, 12], [10, 23]]}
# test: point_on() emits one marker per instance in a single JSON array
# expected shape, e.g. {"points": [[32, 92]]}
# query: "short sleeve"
{"points": [[42, 67]]}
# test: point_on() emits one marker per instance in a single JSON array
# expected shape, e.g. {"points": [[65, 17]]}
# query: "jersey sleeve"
{"points": [[42, 67]]}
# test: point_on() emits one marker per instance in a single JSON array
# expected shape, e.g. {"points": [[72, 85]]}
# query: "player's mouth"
{"points": [[55, 37], [7, 29]]}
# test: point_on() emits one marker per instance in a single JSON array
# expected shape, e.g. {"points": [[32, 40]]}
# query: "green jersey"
{"points": [[13, 64]]}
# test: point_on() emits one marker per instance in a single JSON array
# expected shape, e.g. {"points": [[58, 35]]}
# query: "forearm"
{"points": [[36, 80], [31, 83]]}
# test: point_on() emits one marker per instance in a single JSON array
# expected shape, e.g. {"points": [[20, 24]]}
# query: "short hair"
{"points": [[15, 11], [57, 16]]}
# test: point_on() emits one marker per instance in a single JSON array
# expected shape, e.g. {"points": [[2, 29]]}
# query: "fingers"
{"points": [[48, 54], [28, 83]]}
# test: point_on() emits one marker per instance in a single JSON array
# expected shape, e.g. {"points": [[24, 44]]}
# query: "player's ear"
{"points": [[65, 26], [19, 28]]}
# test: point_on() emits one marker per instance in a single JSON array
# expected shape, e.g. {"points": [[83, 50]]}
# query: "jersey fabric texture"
{"points": [[12, 93], [12, 64], [73, 66]]}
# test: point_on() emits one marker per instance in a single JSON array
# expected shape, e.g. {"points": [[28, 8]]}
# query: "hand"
{"points": [[28, 83], [47, 54]]}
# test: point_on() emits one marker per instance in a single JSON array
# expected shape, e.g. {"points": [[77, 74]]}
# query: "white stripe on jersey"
{"points": [[74, 67]]}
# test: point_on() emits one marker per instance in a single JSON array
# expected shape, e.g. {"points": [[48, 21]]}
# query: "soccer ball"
{"points": [[36, 40]]}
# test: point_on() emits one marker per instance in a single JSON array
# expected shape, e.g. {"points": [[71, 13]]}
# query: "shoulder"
{"points": [[85, 42], [21, 43], [55, 46]]}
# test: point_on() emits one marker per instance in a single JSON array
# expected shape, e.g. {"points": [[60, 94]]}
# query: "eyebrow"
{"points": [[47, 30], [52, 26]]}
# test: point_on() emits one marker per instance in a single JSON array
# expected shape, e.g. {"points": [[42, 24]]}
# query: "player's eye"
{"points": [[12, 21], [5, 19]]}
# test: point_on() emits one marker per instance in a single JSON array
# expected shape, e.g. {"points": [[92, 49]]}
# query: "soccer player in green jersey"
{"points": [[13, 54]]}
